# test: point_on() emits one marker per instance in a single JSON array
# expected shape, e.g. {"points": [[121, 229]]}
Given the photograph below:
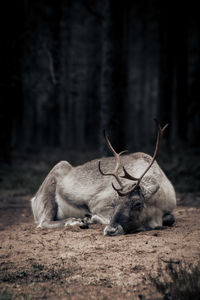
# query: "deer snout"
{"points": [[112, 230]]}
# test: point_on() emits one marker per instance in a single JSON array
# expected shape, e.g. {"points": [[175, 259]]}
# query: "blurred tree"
{"points": [[73, 68], [11, 97]]}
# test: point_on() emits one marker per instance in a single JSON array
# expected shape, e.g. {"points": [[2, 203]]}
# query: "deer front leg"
{"points": [[87, 220], [61, 223]]}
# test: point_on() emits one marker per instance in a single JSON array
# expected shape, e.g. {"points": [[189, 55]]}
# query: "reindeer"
{"points": [[85, 194]]}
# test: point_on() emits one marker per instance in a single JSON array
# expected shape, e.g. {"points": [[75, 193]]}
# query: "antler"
{"points": [[117, 165], [130, 177]]}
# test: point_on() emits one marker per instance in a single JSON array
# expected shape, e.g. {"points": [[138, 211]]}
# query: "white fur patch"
{"points": [[99, 219], [73, 223], [66, 210]]}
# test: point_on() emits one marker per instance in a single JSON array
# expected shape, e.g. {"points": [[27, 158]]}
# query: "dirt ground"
{"points": [[74, 263]]}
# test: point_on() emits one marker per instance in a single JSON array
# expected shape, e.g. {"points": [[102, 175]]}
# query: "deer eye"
{"points": [[137, 205]]}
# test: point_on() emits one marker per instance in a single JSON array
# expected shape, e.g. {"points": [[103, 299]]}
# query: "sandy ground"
{"points": [[74, 263]]}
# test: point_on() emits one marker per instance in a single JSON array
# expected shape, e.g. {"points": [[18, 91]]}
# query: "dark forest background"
{"points": [[71, 68]]}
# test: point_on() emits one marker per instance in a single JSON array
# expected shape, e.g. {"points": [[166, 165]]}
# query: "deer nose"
{"points": [[113, 230]]}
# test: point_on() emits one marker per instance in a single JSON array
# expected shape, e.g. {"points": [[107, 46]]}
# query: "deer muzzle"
{"points": [[112, 230]]}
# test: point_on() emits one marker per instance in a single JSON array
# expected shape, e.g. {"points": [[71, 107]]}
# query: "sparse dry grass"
{"points": [[178, 281], [5, 294], [36, 272]]}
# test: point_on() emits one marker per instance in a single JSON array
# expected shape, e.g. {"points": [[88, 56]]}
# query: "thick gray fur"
{"points": [[69, 194]]}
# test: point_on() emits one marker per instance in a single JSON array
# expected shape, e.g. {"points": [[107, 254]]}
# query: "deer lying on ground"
{"points": [[85, 194]]}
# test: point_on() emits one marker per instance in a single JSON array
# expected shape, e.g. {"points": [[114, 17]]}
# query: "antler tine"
{"points": [[117, 158], [120, 193], [159, 136], [128, 176]]}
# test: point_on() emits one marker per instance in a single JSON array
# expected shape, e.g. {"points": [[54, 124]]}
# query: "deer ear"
{"points": [[149, 187]]}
